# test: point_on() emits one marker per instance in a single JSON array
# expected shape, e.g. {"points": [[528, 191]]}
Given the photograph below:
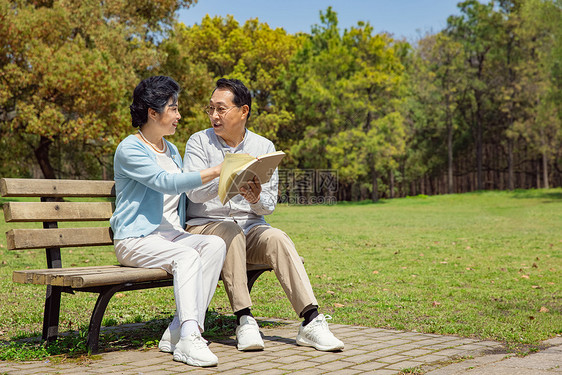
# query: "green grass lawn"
{"points": [[485, 265]]}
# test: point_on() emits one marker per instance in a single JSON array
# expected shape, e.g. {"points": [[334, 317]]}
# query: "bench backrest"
{"points": [[52, 210]]}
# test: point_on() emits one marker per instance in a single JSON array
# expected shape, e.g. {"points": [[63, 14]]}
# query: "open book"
{"points": [[238, 169]]}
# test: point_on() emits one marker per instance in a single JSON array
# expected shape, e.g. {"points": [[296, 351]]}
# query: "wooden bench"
{"points": [[104, 280]]}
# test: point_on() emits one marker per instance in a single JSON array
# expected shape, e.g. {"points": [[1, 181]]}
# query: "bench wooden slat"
{"points": [[84, 277], [22, 239], [24, 187], [121, 275], [57, 211]]}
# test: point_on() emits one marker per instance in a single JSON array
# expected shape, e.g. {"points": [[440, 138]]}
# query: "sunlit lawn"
{"points": [[485, 265]]}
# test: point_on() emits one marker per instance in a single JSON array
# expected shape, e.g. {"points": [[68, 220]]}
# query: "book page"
{"points": [[231, 165], [238, 170]]}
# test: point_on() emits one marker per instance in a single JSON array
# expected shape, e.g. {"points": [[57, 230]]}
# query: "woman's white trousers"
{"points": [[195, 261]]}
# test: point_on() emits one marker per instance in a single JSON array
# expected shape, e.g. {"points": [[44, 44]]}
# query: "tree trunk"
{"points": [[538, 174], [545, 170], [391, 184], [42, 156], [510, 174], [375, 193], [479, 155], [450, 187]]}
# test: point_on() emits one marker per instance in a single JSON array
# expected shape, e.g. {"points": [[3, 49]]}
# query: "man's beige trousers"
{"points": [[262, 245]]}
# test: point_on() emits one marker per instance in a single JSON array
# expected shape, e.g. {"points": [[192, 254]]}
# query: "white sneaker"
{"points": [[169, 340], [193, 351], [248, 334], [318, 335]]}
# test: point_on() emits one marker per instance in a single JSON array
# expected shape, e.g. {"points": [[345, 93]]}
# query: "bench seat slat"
{"points": [[22, 239], [57, 211], [85, 277], [24, 187]]}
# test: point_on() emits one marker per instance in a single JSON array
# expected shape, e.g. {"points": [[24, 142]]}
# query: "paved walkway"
{"points": [[367, 351]]}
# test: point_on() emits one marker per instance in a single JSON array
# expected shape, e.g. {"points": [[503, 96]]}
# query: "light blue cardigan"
{"points": [[140, 185]]}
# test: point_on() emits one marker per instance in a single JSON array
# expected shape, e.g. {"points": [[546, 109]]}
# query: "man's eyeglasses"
{"points": [[220, 110]]}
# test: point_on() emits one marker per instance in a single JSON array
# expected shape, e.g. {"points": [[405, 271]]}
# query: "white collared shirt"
{"points": [[205, 149]]}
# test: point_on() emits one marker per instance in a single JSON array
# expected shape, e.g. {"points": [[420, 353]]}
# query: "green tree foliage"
{"points": [[539, 81], [221, 47], [67, 71], [507, 102], [437, 74], [477, 29], [345, 90], [459, 110]]}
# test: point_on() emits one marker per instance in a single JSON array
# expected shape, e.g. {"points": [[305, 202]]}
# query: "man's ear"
{"points": [[245, 111]]}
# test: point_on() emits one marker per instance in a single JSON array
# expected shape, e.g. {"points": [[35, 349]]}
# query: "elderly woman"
{"points": [[150, 212]]}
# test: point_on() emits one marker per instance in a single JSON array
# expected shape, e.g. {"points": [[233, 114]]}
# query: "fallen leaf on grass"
{"points": [[544, 309], [444, 262], [435, 304], [119, 295], [331, 292], [536, 287], [468, 248], [524, 276], [338, 305], [375, 272]]}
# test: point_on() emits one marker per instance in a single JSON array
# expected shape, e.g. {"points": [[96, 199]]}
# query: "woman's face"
{"points": [[168, 119]]}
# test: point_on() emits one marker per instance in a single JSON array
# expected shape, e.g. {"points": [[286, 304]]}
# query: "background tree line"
{"points": [[474, 106]]}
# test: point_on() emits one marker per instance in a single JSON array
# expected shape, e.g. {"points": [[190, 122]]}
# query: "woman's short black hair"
{"points": [[154, 92], [241, 93]]}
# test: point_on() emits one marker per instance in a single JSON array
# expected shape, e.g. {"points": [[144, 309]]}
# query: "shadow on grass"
{"points": [[71, 345], [549, 195], [366, 202]]}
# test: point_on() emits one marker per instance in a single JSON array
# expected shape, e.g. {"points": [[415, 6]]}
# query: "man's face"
{"points": [[230, 124]]}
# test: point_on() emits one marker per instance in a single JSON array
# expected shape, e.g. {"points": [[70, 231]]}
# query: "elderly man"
{"points": [[249, 239]]}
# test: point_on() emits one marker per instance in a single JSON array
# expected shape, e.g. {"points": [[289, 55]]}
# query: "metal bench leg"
{"points": [[52, 313], [97, 315]]}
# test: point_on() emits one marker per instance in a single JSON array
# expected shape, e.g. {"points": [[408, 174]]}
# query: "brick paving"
{"points": [[367, 351]]}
